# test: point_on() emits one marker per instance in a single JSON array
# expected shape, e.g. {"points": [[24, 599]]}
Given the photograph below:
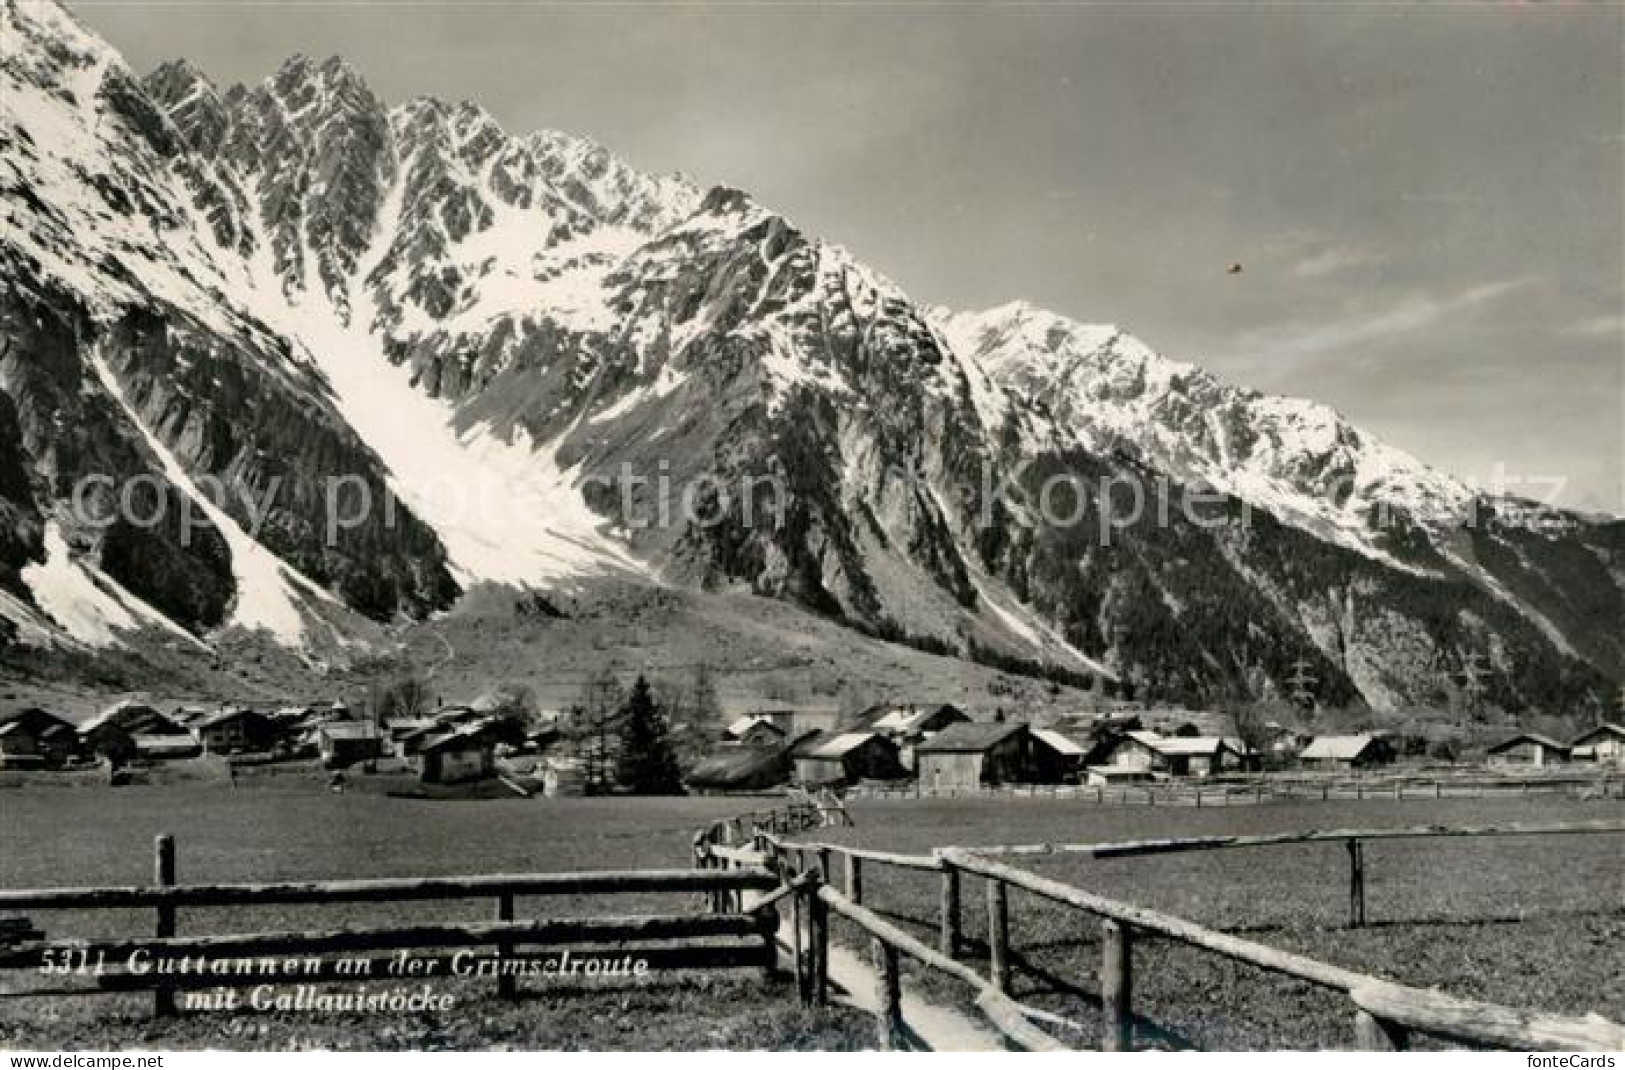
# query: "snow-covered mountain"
{"points": [[390, 352]]}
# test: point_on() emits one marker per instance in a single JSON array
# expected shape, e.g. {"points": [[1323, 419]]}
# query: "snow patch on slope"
{"points": [[504, 509], [84, 601], [266, 595]]}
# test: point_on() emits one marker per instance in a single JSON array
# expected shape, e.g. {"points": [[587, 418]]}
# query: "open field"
{"points": [[1529, 922], [286, 830]]}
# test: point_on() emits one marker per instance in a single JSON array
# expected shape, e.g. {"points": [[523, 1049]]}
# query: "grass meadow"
{"points": [[1533, 922]]}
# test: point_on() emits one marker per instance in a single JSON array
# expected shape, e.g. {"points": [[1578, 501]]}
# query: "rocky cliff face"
{"points": [[554, 366]]}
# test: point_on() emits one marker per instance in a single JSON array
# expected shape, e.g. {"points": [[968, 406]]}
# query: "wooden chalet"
{"points": [[111, 733], [1347, 752], [845, 758], [236, 731], [971, 754], [757, 731], [741, 767], [457, 756], [1604, 743], [31, 737], [344, 743], [1528, 748]]}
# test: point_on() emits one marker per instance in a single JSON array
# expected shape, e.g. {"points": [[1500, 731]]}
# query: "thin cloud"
{"points": [[1304, 342], [1596, 327], [1332, 261]]}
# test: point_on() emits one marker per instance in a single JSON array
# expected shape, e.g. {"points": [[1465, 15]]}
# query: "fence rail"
{"points": [[723, 937], [394, 889], [1222, 793], [1384, 1014]]}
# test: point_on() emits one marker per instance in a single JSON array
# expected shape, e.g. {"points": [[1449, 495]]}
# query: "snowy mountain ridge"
{"points": [[254, 293]]}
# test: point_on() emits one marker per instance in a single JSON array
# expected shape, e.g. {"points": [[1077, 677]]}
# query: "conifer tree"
{"points": [[647, 765]]}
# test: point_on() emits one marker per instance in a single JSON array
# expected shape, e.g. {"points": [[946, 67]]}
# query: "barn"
{"points": [[912, 722], [1198, 756], [1528, 748], [1604, 743], [1347, 752], [235, 731], [111, 733], [32, 737], [740, 767], [1130, 752], [966, 756], [1061, 756], [343, 743], [845, 758], [457, 756], [407, 735], [757, 731]]}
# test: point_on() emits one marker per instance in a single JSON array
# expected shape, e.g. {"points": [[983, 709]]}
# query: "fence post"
{"points": [[818, 938], [1116, 985], [825, 873], [1373, 1034], [889, 1013], [767, 920], [163, 875], [948, 940], [798, 946], [1356, 884], [998, 934], [507, 984], [854, 878]]}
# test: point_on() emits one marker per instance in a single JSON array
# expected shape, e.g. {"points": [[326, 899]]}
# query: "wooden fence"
{"points": [[1384, 1015], [1219, 793], [717, 939]]}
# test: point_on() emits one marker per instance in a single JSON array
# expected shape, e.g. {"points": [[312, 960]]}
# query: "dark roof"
{"points": [[969, 737], [1598, 732], [737, 763], [472, 737], [40, 718], [1528, 737], [836, 743], [894, 716], [223, 716]]}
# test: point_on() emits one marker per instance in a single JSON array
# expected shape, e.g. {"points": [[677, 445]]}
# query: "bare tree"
{"points": [[402, 699], [593, 724]]}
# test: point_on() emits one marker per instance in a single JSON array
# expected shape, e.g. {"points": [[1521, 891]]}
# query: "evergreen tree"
{"points": [[647, 765]]}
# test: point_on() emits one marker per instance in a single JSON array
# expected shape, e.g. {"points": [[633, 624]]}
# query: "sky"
{"points": [[1427, 203]]}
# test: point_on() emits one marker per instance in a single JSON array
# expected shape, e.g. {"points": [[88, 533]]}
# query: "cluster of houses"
{"points": [[938, 747], [448, 745], [941, 749], [1603, 744]]}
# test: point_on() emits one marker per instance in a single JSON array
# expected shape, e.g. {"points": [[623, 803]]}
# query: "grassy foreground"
{"points": [[1529, 922]]}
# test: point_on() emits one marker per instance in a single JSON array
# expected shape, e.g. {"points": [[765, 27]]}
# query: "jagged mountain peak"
{"points": [[332, 72], [182, 73]]}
